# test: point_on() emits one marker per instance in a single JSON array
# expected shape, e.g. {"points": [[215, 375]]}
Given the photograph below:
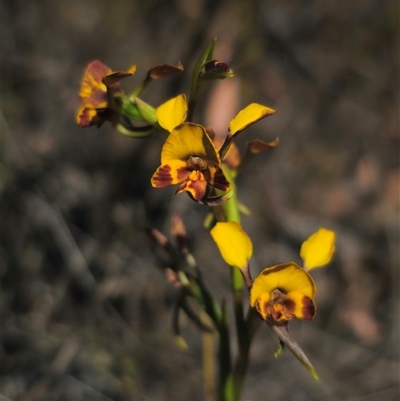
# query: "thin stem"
{"points": [[207, 339]]}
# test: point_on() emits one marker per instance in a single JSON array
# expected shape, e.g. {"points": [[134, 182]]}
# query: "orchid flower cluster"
{"points": [[205, 166]]}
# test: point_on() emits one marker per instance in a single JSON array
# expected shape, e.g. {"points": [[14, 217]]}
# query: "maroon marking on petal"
{"points": [[162, 177], [197, 188], [97, 98], [87, 119], [181, 188], [289, 307], [219, 181], [276, 315], [84, 118], [309, 309], [182, 174], [98, 70]]}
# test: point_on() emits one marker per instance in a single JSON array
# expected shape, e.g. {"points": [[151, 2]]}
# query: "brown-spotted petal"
{"points": [[299, 305]]}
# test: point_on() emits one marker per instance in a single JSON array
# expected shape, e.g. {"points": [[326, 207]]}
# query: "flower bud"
{"points": [[215, 69]]}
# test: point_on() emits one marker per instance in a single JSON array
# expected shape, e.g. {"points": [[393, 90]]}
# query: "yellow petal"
{"points": [[187, 140], [262, 303], [286, 277], [234, 244], [318, 249], [172, 113], [248, 116]]}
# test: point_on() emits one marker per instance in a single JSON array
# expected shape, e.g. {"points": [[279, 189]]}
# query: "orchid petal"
{"points": [[318, 249], [234, 244], [249, 115]]}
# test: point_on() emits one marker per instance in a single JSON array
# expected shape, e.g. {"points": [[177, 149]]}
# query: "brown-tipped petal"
{"points": [[309, 309], [113, 78], [164, 70], [258, 146]]}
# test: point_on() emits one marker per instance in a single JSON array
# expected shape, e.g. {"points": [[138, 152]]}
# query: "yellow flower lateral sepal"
{"points": [[282, 292], [172, 113], [234, 244], [189, 157], [248, 116], [318, 249]]}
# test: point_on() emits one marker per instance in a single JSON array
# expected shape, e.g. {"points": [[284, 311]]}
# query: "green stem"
{"points": [[226, 388], [230, 212], [251, 325]]}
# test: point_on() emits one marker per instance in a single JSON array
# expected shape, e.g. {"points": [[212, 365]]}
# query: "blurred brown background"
{"points": [[86, 309]]}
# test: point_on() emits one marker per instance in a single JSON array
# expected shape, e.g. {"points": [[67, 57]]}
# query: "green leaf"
{"points": [[207, 55]]}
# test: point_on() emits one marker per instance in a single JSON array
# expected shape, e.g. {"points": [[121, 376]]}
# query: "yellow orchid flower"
{"points": [[282, 292], [188, 157]]}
